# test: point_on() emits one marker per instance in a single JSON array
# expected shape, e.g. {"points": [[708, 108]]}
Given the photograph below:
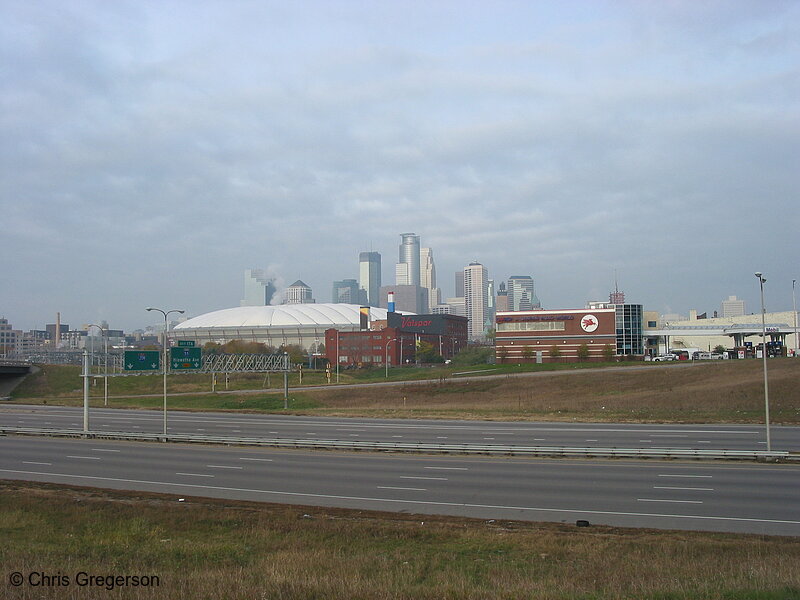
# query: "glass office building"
{"points": [[629, 329]]}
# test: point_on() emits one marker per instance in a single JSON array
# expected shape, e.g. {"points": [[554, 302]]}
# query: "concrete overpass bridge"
{"points": [[12, 372]]}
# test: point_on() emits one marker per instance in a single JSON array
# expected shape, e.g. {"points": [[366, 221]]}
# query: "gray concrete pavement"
{"points": [[579, 435], [673, 495]]}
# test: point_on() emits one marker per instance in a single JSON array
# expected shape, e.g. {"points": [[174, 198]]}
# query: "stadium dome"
{"points": [[296, 324]]}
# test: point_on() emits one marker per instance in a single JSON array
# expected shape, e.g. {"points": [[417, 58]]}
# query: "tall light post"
{"points": [[762, 281], [164, 366], [794, 310], [386, 361], [103, 332]]}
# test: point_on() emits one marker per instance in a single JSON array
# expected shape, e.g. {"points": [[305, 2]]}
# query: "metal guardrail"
{"points": [[558, 451]]}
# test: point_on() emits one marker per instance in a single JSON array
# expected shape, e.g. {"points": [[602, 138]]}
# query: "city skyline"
{"points": [[156, 151]]}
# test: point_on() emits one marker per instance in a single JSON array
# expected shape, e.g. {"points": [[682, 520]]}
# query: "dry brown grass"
{"points": [[730, 391], [228, 549]]}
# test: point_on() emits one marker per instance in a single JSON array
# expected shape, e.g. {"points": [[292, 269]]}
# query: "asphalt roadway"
{"points": [[749, 498], [574, 435]]}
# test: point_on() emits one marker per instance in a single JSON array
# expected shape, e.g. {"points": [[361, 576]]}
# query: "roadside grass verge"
{"points": [[711, 392], [205, 548]]}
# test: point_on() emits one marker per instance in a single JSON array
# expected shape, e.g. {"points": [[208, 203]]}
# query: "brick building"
{"points": [[396, 339], [536, 336]]}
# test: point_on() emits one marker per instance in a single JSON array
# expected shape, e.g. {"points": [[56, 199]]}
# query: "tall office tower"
{"points": [[427, 276], [491, 306], [345, 292], [258, 288], [298, 293], [369, 277], [459, 284], [520, 293], [407, 270], [732, 307], [476, 293], [501, 302]]}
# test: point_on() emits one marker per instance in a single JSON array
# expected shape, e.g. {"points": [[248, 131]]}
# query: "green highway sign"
{"points": [[186, 343], [185, 358], [142, 360]]}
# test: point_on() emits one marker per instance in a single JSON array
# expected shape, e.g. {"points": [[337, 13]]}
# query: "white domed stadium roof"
{"points": [[281, 316]]}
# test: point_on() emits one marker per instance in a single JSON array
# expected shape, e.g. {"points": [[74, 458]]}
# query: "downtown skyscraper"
{"points": [[369, 277], [407, 268], [476, 299]]}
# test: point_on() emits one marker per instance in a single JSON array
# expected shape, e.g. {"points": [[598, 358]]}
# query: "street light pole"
{"points": [[762, 281], [386, 361], [105, 376], [794, 310], [164, 366]]}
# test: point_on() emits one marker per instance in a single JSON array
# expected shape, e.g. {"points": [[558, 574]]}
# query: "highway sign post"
{"points": [[142, 360], [183, 358]]}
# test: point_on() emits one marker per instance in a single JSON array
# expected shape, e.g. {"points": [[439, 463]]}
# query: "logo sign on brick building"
{"points": [[589, 323], [432, 324]]}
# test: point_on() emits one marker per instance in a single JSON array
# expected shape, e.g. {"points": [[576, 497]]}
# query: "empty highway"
{"points": [[753, 498], [576, 435]]}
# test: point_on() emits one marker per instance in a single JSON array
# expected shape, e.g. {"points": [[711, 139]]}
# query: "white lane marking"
{"points": [[104, 450], [354, 435], [397, 436], [703, 442], [538, 439], [312, 433], [665, 487], [396, 501], [222, 467], [672, 501], [689, 476], [272, 432], [236, 431], [591, 440], [646, 441], [257, 459], [30, 462], [441, 437], [668, 435], [488, 438], [84, 457], [198, 429], [428, 478], [388, 487], [347, 429], [448, 468], [194, 474]]}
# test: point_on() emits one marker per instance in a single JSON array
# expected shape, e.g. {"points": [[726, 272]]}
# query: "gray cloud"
{"points": [[154, 152]]}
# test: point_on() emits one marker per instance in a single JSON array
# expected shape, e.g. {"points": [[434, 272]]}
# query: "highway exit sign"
{"points": [[142, 360], [182, 358]]}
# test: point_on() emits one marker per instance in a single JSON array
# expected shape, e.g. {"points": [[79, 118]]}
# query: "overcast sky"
{"points": [[153, 151]]}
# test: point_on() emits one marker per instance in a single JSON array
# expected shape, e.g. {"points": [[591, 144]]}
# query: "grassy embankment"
{"points": [[220, 549], [722, 392]]}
